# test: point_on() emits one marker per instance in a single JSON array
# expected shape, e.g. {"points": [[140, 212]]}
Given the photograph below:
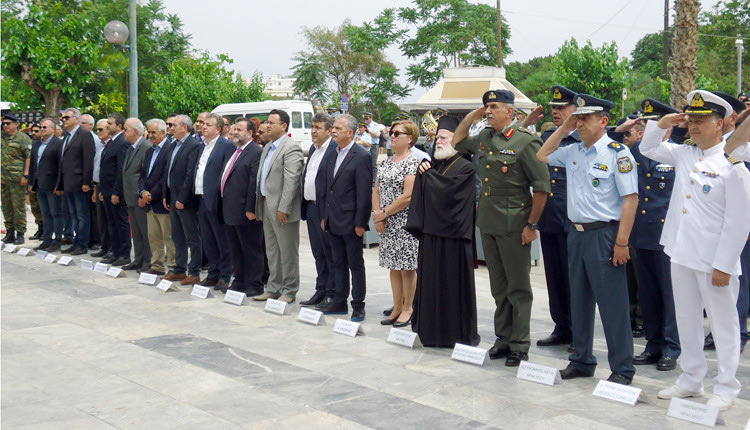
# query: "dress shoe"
{"points": [[78, 251], [94, 246], [573, 371], [42, 247], [666, 363], [250, 293], [721, 402], [399, 324], [553, 340], [68, 250], [499, 351], [335, 309], [387, 312], [19, 239], [676, 392], [315, 299], [324, 304], [388, 321], [171, 276], [108, 260], [638, 331], [154, 272], [220, 284], [359, 315], [515, 357], [53, 247], [708, 343], [99, 253], [645, 358], [67, 241], [120, 262], [286, 299], [265, 296], [190, 280], [208, 282], [620, 379]]}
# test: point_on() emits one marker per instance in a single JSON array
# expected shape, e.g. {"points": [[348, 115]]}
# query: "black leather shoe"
{"points": [[251, 293], [99, 253], [573, 371], [78, 251], [645, 358], [324, 304], [515, 358], [67, 241], [53, 247], [666, 363], [399, 324], [208, 282], [318, 297], [68, 250], [358, 315], [708, 343], [553, 340], [335, 309], [120, 262], [94, 246], [42, 247], [387, 312], [131, 266], [499, 351], [108, 260], [620, 379], [388, 321]]}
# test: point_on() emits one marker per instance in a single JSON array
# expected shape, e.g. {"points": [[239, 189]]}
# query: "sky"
{"points": [[265, 35]]}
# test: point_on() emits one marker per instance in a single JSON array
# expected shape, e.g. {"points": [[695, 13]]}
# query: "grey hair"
{"points": [[101, 121], [137, 125], [76, 112], [186, 121], [88, 119], [323, 117], [160, 124], [219, 120], [351, 122]]}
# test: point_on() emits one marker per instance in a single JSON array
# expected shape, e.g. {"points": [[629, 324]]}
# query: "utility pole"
{"points": [[499, 36], [665, 41]]}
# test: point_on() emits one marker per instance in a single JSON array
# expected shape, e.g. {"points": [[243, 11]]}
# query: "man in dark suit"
{"points": [[74, 180], [237, 208], [131, 172], [111, 194], [97, 211], [345, 203], [311, 181], [151, 184], [181, 203], [211, 157], [44, 168]]}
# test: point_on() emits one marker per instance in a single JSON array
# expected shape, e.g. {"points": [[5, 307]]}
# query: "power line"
{"points": [[610, 19]]}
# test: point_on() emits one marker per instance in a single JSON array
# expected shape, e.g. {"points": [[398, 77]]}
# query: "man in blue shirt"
{"points": [[602, 200]]}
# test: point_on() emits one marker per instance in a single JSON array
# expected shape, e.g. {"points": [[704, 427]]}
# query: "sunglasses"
{"points": [[170, 124], [7, 122], [65, 118], [397, 133]]}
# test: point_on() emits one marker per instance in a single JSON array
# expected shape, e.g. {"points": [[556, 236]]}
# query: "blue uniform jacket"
{"points": [[655, 182]]}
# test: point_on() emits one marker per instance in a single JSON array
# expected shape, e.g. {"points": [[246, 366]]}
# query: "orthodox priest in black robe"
{"points": [[441, 216]]}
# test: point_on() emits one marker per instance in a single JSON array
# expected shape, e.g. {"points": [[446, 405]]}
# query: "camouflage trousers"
{"points": [[13, 196], [35, 209]]}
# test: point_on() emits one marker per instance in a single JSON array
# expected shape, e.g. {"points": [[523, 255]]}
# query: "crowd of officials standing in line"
{"points": [[656, 194]]}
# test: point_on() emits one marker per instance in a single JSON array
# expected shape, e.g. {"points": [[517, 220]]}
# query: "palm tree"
{"points": [[684, 50]]}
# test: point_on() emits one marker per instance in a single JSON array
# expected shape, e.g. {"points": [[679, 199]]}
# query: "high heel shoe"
{"points": [[402, 324], [388, 321]]}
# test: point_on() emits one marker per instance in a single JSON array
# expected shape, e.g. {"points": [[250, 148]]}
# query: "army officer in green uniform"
{"points": [[15, 150], [508, 214]]}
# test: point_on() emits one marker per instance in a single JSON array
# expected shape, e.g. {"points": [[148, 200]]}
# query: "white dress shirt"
{"points": [[313, 164], [341, 154], [202, 165]]}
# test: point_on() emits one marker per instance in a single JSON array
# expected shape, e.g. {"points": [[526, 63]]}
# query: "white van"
{"points": [[300, 115]]}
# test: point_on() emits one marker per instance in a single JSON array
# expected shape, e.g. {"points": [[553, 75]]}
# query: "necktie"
{"points": [[231, 165], [65, 143]]}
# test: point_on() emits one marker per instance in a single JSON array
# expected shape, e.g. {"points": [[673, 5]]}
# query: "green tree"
{"points": [[310, 79], [193, 85], [596, 71], [534, 78], [717, 57], [450, 33], [647, 54]]}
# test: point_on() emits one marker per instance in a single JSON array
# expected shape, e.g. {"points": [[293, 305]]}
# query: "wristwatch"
{"points": [[532, 226]]}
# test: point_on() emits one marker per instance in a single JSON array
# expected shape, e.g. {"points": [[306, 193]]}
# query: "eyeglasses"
{"points": [[397, 133]]}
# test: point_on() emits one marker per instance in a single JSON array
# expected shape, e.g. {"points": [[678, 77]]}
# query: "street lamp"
{"points": [[116, 33], [740, 47]]}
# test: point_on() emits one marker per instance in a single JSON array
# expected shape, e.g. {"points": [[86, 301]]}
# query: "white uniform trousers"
{"points": [[692, 290]]}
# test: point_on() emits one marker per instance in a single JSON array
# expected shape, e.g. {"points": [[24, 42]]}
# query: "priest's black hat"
{"points": [[448, 122]]}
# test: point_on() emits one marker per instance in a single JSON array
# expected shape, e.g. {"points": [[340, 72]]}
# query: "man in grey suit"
{"points": [[278, 207], [131, 172]]}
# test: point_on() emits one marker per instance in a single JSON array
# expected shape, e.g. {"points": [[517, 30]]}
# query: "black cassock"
{"points": [[441, 216]]}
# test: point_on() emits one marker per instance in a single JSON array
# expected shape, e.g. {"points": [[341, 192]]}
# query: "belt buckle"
{"points": [[579, 227]]}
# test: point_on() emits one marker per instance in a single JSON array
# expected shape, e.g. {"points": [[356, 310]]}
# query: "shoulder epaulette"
{"points": [[689, 142], [526, 130], [616, 146], [732, 159]]}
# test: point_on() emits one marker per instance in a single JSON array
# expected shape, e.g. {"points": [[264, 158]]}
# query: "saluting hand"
{"points": [[671, 120], [533, 117], [569, 124]]}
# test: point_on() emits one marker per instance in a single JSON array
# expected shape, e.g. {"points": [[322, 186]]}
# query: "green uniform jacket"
{"points": [[508, 169], [14, 152]]}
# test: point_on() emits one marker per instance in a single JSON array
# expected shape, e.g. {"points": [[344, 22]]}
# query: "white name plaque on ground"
{"points": [[310, 316], [747, 426], [9, 248], [402, 337], [87, 264], [694, 412], [235, 297], [41, 255], [148, 278], [114, 271], [470, 354], [201, 291], [50, 258], [617, 392], [101, 268], [165, 285], [274, 306], [537, 373], [347, 328], [24, 251], [65, 260]]}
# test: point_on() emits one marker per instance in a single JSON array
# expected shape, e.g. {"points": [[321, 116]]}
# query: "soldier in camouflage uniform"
{"points": [[14, 152], [508, 215]]}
